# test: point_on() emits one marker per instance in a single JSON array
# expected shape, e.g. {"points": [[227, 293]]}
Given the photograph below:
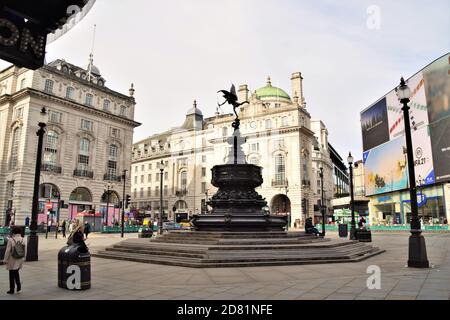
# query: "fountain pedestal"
{"points": [[236, 205]]}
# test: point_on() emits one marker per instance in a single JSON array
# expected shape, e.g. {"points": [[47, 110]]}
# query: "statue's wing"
{"points": [[233, 90]]}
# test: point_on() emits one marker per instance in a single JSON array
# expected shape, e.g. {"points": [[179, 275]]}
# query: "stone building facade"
{"points": [[87, 143], [279, 138]]}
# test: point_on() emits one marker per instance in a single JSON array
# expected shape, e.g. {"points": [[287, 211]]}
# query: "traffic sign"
{"points": [[49, 205]]}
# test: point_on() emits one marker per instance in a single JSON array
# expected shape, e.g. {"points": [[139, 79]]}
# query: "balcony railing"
{"points": [[112, 177], [181, 193], [83, 173], [279, 183], [48, 167], [306, 183]]}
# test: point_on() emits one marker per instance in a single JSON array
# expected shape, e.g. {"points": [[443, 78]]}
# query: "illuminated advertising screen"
{"points": [[383, 131], [374, 123], [437, 88]]}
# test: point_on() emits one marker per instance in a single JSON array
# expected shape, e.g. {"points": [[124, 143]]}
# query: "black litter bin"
{"points": [[364, 235], [3, 243], [343, 230], [145, 233], [74, 268]]}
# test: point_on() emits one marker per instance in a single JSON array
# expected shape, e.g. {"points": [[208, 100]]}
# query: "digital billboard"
{"points": [[437, 88], [374, 123], [385, 168], [383, 131]]}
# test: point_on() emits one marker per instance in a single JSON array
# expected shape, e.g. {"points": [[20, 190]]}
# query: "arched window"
{"points": [[112, 161], [305, 167], [224, 131], [280, 168], [15, 148], [81, 194], [83, 154], [89, 99], [51, 148], [106, 104], [48, 191], [183, 180], [70, 92]]}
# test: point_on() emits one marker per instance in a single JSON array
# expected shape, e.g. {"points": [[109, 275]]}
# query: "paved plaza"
{"points": [[130, 280]]}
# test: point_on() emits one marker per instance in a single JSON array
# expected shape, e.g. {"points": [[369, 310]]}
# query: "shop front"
{"points": [[395, 207]]}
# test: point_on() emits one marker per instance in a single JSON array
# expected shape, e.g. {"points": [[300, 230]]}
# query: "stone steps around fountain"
{"points": [[232, 235], [223, 255], [208, 253], [205, 263]]}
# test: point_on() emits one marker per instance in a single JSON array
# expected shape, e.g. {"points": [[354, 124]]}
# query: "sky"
{"points": [[350, 53]]}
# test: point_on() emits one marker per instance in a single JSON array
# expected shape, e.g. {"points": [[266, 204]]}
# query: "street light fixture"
{"points": [[322, 207], [417, 248], [33, 239], [352, 200], [161, 173]]}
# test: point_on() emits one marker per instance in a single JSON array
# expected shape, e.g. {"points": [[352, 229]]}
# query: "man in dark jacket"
{"points": [[87, 229], [309, 227]]}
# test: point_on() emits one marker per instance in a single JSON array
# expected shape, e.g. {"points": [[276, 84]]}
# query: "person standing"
{"points": [[87, 229], [15, 254], [27, 221], [63, 228]]}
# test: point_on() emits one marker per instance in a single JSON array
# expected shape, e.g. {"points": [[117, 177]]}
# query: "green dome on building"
{"points": [[270, 92]]}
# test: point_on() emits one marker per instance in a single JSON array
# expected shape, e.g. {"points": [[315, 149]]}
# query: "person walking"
{"points": [[87, 229], [15, 254], [63, 228]]}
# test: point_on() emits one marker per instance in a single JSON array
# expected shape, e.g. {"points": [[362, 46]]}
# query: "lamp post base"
{"points": [[417, 251], [353, 233], [32, 247]]}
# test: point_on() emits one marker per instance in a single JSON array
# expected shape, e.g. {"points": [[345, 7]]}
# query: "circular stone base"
{"points": [[238, 222]]}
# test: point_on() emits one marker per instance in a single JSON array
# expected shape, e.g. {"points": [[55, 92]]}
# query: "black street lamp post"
{"points": [[160, 217], [108, 189], [122, 219], [33, 239], [352, 199], [417, 248], [322, 207]]}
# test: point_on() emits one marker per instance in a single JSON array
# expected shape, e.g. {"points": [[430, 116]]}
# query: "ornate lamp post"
{"points": [[122, 222], [161, 173], [33, 239], [352, 200], [417, 248], [322, 207]]}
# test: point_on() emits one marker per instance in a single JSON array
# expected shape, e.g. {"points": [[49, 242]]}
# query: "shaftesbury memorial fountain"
{"points": [[236, 205], [238, 232]]}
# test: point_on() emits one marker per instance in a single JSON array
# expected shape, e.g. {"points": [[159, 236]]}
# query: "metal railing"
{"points": [[48, 167], [279, 182], [181, 193], [112, 177], [83, 173]]}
